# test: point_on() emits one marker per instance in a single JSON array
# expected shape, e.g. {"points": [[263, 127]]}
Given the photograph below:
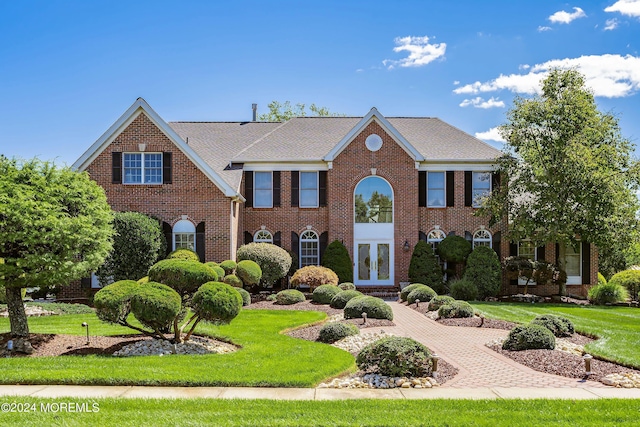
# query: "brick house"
{"points": [[377, 184]]}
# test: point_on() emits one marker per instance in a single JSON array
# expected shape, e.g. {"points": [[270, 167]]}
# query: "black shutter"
{"points": [[168, 235], [166, 168], [324, 241], [248, 237], [295, 189], [116, 168], [422, 236], [276, 189], [200, 241], [451, 233], [513, 251], [322, 188], [586, 263], [495, 181], [422, 189], [85, 282], [450, 182], [295, 246], [248, 189], [468, 188], [277, 239], [468, 237], [540, 253], [496, 244]]}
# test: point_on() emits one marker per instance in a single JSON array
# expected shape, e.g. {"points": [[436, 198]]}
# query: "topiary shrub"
{"points": [[609, 293], [211, 264], [341, 298], [558, 325], [185, 277], [273, 260], [464, 289], [323, 294], [229, 266], [233, 280], [289, 296], [347, 286], [601, 279], [375, 308], [456, 309], [271, 297], [334, 331], [404, 293], [155, 305], [484, 270], [144, 280], [630, 279], [454, 248], [528, 337], [422, 293], [336, 258], [246, 296], [113, 302], [438, 301], [424, 267], [219, 271], [184, 254], [249, 272], [314, 276], [217, 302], [396, 357]]}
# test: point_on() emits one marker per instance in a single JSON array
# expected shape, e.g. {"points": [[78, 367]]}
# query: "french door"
{"points": [[374, 263]]}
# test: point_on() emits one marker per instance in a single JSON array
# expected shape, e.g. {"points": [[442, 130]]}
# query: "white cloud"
{"points": [[611, 24], [541, 28], [420, 52], [609, 76], [562, 17], [479, 102], [492, 134], [625, 7], [456, 82]]}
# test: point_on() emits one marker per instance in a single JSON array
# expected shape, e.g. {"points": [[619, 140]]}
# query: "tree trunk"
{"points": [[562, 265], [17, 315]]}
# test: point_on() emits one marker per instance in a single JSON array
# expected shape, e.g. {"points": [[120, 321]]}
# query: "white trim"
{"points": [[278, 166], [372, 115], [316, 240], [474, 167], [138, 107]]}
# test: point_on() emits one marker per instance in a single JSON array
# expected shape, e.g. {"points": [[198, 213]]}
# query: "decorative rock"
{"points": [[626, 380], [196, 345], [406, 385], [21, 345]]}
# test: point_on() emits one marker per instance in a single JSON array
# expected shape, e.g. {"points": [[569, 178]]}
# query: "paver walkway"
{"points": [[464, 348]]}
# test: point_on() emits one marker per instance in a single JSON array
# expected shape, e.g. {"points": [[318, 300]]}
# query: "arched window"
{"points": [[435, 237], [184, 235], [373, 201], [481, 237], [309, 253], [263, 236]]}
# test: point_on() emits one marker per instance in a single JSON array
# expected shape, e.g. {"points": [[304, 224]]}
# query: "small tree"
{"points": [[215, 302], [483, 269], [273, 260], [454, 249], [424, 267], [336, 257]]}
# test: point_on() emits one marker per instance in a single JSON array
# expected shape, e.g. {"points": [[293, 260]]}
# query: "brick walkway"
{"points": [[465, 349]]}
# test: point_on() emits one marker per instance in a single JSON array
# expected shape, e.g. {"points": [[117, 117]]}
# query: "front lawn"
{"points": [[267, 358], [618, 328]]}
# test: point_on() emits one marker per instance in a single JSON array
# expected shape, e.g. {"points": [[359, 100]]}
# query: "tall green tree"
{"points": [[281, 112], [56, 227], [568, 172]]}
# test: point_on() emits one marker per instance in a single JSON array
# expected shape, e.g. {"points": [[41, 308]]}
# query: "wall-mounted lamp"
{"points": [[405, 247]]}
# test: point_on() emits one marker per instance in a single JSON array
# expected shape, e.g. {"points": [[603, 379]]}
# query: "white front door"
{"points": [[374, 263]]}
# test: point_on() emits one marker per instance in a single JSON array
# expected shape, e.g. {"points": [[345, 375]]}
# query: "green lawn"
{"points": [[267, 358], [618, 328], [199, 412]]}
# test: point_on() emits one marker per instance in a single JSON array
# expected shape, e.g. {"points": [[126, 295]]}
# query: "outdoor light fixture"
{"points": [[364, 318], [86, 325], [405, 247], [434, 359], [587, 364], [417, 303], [10, 345]]}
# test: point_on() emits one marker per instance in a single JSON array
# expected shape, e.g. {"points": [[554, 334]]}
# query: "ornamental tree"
{"points": [[56, 227], [336, 257], [569, 173]]}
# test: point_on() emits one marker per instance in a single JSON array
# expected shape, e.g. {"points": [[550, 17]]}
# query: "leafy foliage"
{"points": [[155, 305], [273, 260], [456, 309], [281, 112], [217, 302], [249, 272], [289, 296], [336, 257], [341, 298], [404, 293], [422, 293], [113, 302], [630, 279], [558, 325], [335, 331], [464, 289], [229, 266], [484, 270], [233, 280], [527, 337], [607, 293], [185, 277], [438, 301], [375, 308], [323, 294], [184, 254], [454, 248], [3, 294], [396, 357], [601, 279], [314, 276], [424, 267], [246, 296]]}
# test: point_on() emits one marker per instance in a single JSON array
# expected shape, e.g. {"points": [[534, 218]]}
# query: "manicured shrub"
{"points": [[249, 272], [314, 276], [630, 279], [558, 325], [424, 267], [341, 298], [211, 264], [336, 258], [456, 309], [155, 305], [609, 293], [3, 294], [233, 280], [375, 308], [334, 331], [217, 302], [229, 266], [464, 289], [144, 280], [273, 260], [601, 279], [484, 270], [289, 296], [184, 254], [246, 296], [454, 248], [219, 271], [404, 293], [347, 286], [113, 302], [323, 294], [396, 357], [185, 277], [528, 337], [272, 297], [438, 301], [422, 293]]}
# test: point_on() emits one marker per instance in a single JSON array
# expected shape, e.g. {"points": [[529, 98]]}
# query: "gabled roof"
{"points": [[142, 107]]}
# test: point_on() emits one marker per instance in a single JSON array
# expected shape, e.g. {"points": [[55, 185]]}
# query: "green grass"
{"points": [[267, 358], [618, 328], [199, 412]]}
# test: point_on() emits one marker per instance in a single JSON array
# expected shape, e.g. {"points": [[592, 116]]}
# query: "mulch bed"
{"points": [[311, 333], [69, 345]]}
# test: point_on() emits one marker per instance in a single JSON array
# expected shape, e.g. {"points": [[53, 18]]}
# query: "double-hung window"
{"points": [[436, 190], [481, 187], [308, 189], [263, 191], [309, 252], [142, 168]]}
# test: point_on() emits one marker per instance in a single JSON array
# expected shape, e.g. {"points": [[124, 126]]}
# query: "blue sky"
{"points": [[69, 69]]}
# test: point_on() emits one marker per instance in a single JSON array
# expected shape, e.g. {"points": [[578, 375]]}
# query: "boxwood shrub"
{"points": [[334, 331], [217, 302], [249, 272], [113, 302], [233, 280], [375, 308], [558, 325], [155, 305], [438, 301], [341, 298], [289, 296], [185, 277], [184, 254], [527, 337], [246, 296], [323, 294], [347, 286], [454, 248], [396, 357], [456, 309], [229, 266], [422, 293], [464, 289], [219, 271], [404, 293], [273, 260]]}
